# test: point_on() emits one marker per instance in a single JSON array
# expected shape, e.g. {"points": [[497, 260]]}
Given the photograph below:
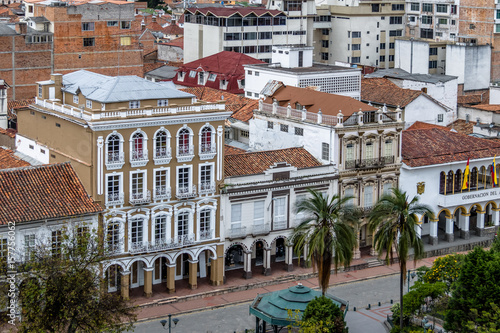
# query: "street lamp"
{"points": [[413, 274], [163, 322]]}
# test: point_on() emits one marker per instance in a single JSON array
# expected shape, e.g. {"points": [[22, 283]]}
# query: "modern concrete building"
{"points": [[294, 66], [153, 157]]}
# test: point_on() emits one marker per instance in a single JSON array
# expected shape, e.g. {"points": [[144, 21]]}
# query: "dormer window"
{"points": [[223, 84], [192, 74], [180, 76], [212, 77], [201, 78]]}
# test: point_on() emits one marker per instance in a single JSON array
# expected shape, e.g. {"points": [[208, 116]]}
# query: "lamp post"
{"points": [[413, 274], [163, 322]]}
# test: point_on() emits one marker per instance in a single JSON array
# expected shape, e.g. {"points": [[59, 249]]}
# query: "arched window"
{"points": [[458, 181], [449, 182], [161, 144], [206, 140], [183, 147], [473, 179], [113, 148], [482, 178], [113, 237], [137, 146], [442, 182]]}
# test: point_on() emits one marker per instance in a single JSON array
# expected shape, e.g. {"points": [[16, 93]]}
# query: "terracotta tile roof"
{"points": [[381, 90], [12, 106], [258, 162], [226, 63], [178, 42], [473, 99], [8, 160], [330, 104], [236, 103], [461, 126], [246, 112], [486, 107], [229, 11], [43, 192], [230, 150], [428, 146], [173, 29], [422, 125], [10, 132]]}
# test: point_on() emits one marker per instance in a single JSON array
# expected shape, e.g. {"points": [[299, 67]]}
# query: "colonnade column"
{"points": [[217, 271], [373, 251], [247, 264], [305, 253], [480, 223], [433, 232], [193, 271], [289, 258], [464, 231], [267, 261], [496, 216], [148, 282], [171, 278], [357, 252], [449, 229], [125, 283]]}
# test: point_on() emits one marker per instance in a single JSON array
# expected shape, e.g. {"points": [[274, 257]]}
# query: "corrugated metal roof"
{"points": [[109, 89]]}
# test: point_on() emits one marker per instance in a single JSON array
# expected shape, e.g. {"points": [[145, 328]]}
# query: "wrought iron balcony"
{"points": [[140, 198], [206, 234], [240, 232], [162, 245], [186, 192], [162, 193], [139, 157], [207, 151], [369, 162], [115, 160], [115, 199], [114, 248], [207, 187], [162, 155], [185, 153]]}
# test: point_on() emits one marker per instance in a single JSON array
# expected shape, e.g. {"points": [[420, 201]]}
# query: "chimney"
{"points": [[21, 28], [153, 19], [4, 123], [57, 79]]}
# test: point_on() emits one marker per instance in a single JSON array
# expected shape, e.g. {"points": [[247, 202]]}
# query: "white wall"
{"points": [[443, 92], [471, 64], [485, 117], [495, 94], [412, 56], [425, 110], [32, 149]]}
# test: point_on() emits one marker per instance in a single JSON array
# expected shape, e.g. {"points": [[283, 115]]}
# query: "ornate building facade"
{"points": [[153, 157]]}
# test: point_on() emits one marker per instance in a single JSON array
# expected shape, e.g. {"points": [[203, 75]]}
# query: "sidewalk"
{"points": [[239, 290]]}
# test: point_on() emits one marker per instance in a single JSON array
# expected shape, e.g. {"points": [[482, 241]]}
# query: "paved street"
{"points": [[235, 318]]}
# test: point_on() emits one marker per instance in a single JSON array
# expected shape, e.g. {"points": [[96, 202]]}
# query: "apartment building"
{"points": [[252, 31], [98, 36], [152, 156], [358, 32]]}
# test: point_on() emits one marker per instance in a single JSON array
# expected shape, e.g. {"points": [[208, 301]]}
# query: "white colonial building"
{"points": [[434, 163]]}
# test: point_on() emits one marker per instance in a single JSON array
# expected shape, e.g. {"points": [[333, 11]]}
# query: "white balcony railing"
{"points": [[139, 157], [207, 151], [113, 248], [207, 187], [81, 113], [186, 192], [115, 199], [162, 245], [207, 234], [185, 153], [279, 223], [115, 160], [162, 192], [140, 198], [239, 232], [162, 155]]}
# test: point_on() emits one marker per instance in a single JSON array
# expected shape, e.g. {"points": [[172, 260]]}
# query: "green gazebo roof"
{"points": [[273, 307]]}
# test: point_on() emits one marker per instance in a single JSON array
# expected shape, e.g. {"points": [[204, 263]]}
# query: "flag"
{"points": [[465, 184], [494, 178]]}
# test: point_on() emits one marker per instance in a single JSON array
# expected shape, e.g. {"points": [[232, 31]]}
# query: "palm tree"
{"points": [[394, 218], [327, 231]]}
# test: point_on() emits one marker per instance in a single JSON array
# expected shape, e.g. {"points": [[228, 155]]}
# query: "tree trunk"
{"points": [[401, 282]]}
